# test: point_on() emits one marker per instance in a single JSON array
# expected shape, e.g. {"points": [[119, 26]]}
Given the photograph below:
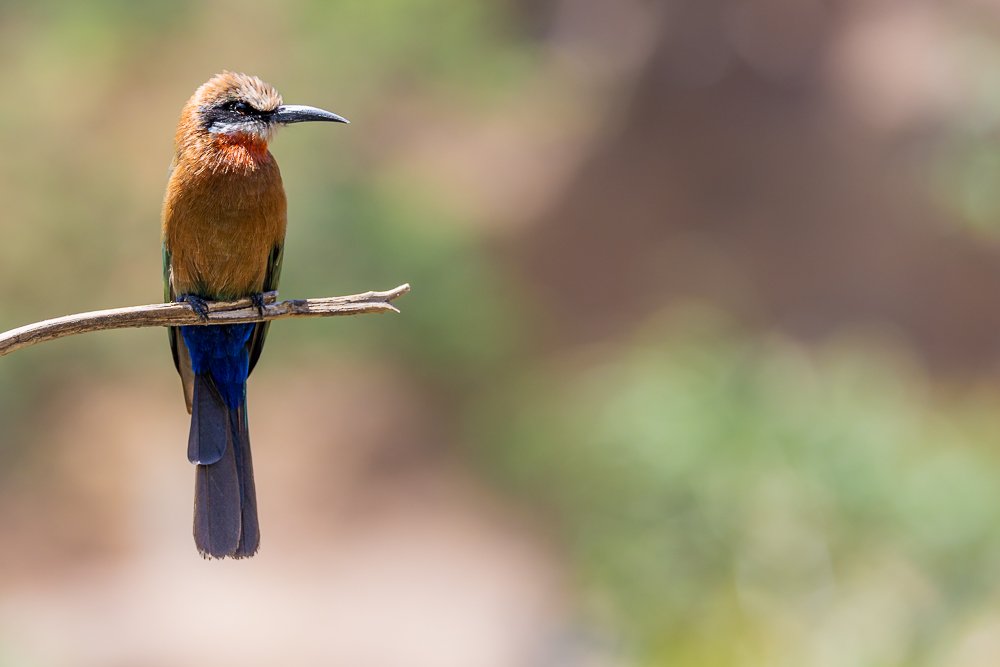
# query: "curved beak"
{"points": [[299, 113]]}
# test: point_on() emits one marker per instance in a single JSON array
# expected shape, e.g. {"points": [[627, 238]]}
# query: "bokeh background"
{"points": [[701, 364]]}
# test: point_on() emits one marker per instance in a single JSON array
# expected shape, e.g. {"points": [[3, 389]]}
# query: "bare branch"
{"points": [[220, 312]]}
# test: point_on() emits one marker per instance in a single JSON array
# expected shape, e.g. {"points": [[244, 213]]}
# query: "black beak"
{"points": [[299, 113]]}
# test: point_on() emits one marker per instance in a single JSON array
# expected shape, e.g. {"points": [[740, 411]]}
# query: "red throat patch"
{"points": [[243, 150]]}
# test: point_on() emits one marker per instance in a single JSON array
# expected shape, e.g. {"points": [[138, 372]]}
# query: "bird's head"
{"points": [[232, 108]]}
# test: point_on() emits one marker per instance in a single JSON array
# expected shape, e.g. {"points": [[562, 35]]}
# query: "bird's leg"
{"points": [[258, 302], [198, 304]]}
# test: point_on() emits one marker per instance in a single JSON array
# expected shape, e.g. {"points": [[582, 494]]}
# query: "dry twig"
{"points": [[220, 312]]}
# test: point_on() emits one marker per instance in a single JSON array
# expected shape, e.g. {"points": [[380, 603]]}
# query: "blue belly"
{"points": [[221, 352]]}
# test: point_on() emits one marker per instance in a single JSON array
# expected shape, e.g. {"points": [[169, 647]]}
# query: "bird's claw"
{"points": [[198, 304], [258, 302]]}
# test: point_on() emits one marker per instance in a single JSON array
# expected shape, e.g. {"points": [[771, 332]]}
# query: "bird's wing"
{"points": [[256, 342], [182, 360]]}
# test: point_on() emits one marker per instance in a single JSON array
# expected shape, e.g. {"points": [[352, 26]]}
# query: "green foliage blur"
{"points": [[724, 493], [733, 499]]}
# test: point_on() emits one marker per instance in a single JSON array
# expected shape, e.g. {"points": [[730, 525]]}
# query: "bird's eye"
{"points": [[238, 106]]}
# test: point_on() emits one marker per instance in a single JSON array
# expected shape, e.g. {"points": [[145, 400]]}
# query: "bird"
{"points": [[223, 222]]}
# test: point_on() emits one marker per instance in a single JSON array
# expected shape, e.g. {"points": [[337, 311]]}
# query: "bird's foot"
{"points": [[198, 304], [258, 302]]}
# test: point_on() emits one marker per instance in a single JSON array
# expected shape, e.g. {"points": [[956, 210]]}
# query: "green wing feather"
{"points": [[271, 278], [169, 296], [182, 362]]}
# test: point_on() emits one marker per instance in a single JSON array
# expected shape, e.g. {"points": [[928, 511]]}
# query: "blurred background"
{"points": [[701, 364]]}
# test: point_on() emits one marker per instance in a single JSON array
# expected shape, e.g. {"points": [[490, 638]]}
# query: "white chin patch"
{"points": [[260, 130]]}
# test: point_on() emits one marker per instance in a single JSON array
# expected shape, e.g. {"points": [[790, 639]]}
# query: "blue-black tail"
{"points": [[225, 501]]}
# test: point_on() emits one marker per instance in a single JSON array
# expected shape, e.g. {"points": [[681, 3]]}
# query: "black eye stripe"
{"points": [[232, 112]]}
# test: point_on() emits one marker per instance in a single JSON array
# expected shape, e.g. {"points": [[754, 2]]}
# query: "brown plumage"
{"points": [[225, 209], [224, 218]]}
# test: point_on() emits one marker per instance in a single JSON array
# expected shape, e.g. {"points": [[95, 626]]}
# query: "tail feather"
{"points": [[210, 433], [225, 501], [250, 529], [217, 516]]}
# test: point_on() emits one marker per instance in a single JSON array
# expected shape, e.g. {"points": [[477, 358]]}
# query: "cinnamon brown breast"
{"points": [[220, 226]]}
